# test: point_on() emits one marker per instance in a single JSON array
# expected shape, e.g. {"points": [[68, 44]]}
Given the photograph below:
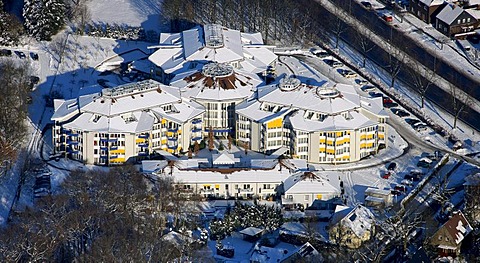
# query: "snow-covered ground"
{"points": [[137, 13]]}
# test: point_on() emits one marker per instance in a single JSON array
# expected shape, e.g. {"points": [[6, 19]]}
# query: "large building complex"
{"points": [[128, 121], [219, 88], [195, 47], [321, 124]]}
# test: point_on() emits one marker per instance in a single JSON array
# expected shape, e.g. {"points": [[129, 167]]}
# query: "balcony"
{"points": [[142, 153], [113, 156], [196, 129], [143, 145], [112, 140], [172, 147], [72, 142], [248, 190], [172, 139], [74, 135], [197, 138], [207, 191], [172, 129], [197, 121], [112, 148], [143, 136]]}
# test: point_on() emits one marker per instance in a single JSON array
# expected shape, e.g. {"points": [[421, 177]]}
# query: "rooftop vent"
{"points": [[217, 70], [289, 84], [213, 36], [327, 92]]}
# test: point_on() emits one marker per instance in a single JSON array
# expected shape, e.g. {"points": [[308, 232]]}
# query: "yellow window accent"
{"points": [[170, 134], [369, 145], [179, 148], [381, 136], [170, 150], [207, 185], [348, 133], [164, 141], [339, 134], [330, 151], [217, 186], [164, 121], [362, 137], [362, 145], [118, 151], [319, 196], [346, 157], [140, 140], [339, 142], [118, 160], [370, 136], [322, 150], [346, 140], [322, 140], [179, 131], [277, 123]]}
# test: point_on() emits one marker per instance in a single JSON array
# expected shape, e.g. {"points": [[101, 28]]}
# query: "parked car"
{"points": [[34, 56], [390, 105], [367, 88], [333, 63], [420, 127], [401, 188], [374, 94], [413, 176], [407, 182], [367, 5], [20, 54], [347, 73], [411, 121], [400, 112], [386, 175], [387, 18], [361, 82], [395, 192], [320, 53], [424, 162], [392, 166], [5, 52]]}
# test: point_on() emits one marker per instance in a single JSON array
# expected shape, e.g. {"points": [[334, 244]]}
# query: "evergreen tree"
{"points": [[44, 18], [10, 28]]}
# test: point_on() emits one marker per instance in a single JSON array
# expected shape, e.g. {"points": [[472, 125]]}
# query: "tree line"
{"points": [[99, 216]]}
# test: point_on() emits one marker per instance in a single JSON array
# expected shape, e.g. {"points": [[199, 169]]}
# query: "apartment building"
{"points": [[126, 123]]}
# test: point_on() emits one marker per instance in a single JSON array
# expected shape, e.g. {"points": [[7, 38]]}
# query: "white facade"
{"points": [[126, 122], [320, 124]]}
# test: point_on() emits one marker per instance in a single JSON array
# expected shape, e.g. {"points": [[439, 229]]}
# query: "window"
{"points": [[439, 237], [468, 20], [307, 197]]}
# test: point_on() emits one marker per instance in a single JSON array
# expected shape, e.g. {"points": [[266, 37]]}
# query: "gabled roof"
{"points": [[449, 13], [358, 219], [224, 158], [473, 180], [308, 182], [251, 231], [432, 2], [458, 227]]}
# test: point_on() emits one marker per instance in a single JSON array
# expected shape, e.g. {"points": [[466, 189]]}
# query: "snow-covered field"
{"points": [[137, 13]]}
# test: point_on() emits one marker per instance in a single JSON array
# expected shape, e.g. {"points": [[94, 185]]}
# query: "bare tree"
{"points": [[459, 100], [396, 61], [210, 139], [362, 38], [422, 79]]}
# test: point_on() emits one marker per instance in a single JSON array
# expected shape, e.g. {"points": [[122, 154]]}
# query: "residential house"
{"points": [[426, 10], [450, 235], [351, 227], [454, 21], [303, 188], [375, 197]]}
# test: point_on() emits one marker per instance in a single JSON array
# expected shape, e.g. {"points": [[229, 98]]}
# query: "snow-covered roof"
{"points": [[312, 108], [308, 183], [449, 13], [458, 227], [251, 231], [432, 2], [224, 158], [151, 166], [358, 219], [200, 85], [216, 176], [215, 43], [131, 107]]}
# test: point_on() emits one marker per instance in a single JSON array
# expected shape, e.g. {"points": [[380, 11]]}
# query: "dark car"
{"points": [[392, 166], [395, 192], [367, 88], [411, 121], [412, 177], [400, 112], [367, 5], [390, 105], [20, 54], [5, 52], [375, 94], [386, 175], [401, 188], [333, 63], [387, 100], [34, 56]]}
